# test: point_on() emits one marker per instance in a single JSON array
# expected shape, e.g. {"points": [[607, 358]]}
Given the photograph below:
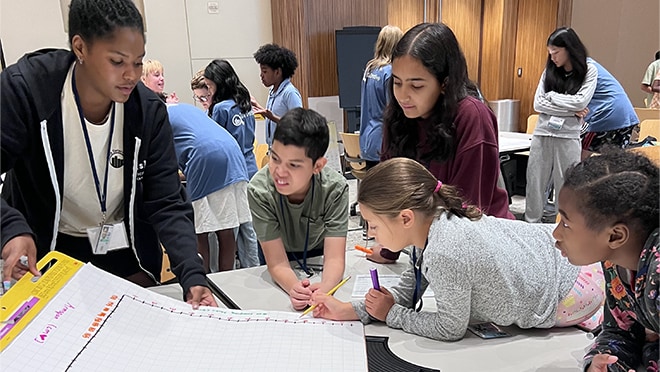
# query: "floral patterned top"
{"points": [[631, 312]]}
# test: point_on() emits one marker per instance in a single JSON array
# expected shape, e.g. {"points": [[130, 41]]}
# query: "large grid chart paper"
{"points": [[98, 322]]}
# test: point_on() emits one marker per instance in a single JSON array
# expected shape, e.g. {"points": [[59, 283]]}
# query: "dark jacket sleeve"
{"points": [[12, 223], [627, 345], [15, 113], [622, 335], [166, 204]]}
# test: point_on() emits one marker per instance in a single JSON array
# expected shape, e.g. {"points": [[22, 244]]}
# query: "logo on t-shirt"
{"points": [[237, 120], [117, 158]]}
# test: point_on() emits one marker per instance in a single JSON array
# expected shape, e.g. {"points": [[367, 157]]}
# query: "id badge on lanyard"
{"points": [[107, 237], [104, 237], [556, 123]]}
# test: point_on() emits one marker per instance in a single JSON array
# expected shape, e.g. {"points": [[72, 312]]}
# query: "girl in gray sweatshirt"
{"points": [[480, 268]]}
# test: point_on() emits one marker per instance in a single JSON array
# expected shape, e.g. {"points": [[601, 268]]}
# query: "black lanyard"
{"points": [[269, 106], [104, 195], [417, 295], [302, 265], [269, 122]]}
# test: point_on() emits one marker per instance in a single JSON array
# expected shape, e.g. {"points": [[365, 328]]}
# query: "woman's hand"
{"points": [[14, 249], [172, 98], [200, 296], [581, 114]]}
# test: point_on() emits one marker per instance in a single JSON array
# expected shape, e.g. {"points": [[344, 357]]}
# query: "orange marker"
{"points": [[364, 249]]}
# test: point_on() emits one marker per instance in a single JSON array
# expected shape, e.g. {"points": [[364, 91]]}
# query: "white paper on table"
{"points": [[363, 284]]}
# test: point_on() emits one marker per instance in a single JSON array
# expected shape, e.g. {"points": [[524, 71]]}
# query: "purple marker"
{"points": [[374, 278]]}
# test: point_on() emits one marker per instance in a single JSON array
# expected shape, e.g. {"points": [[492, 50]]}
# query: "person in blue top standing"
{"points": [[374, 94], [277, 65], [217, 180], [230, 107], [611, 118]]}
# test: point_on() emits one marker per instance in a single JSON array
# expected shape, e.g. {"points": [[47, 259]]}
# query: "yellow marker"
{"points": [[330, 293]]}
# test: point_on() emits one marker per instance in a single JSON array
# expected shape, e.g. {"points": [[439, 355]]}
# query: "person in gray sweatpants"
{"points": [[549, 157], [564, 91]]}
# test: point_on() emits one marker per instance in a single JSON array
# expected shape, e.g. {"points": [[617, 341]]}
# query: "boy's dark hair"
{"points": [[304, 128], [616, 186], [98, 19], [557, 79], [228, 85], [657, 55], [275, 56]]}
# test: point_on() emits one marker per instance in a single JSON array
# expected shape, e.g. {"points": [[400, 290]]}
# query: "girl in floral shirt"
{"points": [[609, 213]]}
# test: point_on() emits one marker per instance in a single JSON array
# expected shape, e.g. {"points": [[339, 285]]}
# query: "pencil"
{"points": [[330, 293], [364, 249]]}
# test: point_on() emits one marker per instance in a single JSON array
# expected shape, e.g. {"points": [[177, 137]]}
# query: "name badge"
{"points": [[556, 123], [108, 237]]}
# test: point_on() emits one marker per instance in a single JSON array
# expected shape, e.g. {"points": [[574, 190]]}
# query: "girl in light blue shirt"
{"points": [[375, 95]]}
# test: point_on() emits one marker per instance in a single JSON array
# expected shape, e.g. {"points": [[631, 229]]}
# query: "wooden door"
{"points": [[536, 21]]}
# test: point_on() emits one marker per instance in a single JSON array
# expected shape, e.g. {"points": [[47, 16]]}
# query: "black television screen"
{"points": [[355, 47]]}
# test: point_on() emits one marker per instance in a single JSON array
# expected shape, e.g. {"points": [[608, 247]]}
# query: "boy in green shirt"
{"points": [[299, 208]]}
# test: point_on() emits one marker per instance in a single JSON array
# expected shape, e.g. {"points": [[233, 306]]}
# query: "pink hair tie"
{"points": [[437, 188]]}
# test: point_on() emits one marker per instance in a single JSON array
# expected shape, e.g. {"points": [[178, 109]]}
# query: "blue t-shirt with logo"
{"points": [[241, 126], [208, 155]]}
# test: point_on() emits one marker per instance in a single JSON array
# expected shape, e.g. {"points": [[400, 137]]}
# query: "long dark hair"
{"points": [[436, 47], [557, 79], [228, 85]]}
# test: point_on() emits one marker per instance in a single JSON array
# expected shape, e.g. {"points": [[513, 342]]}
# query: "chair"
{"points": [[644, 113], [261, 154], [651, 152], [531, 123], [358, 166], [649, 127], [166, 273]]}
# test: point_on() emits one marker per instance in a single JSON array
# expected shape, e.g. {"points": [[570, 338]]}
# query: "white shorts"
{"points": [[224, 209]]}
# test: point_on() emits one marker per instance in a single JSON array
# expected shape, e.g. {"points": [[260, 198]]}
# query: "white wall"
{"points": [[185, 37], [27, 25], [623, 36], [181, 34]]}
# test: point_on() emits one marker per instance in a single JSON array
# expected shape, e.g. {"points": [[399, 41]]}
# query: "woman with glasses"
{"points": [[480, 267], [201, 93]]}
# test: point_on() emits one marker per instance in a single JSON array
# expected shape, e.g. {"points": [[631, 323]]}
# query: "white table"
{"points": [[558, 350], [514, 142]]}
